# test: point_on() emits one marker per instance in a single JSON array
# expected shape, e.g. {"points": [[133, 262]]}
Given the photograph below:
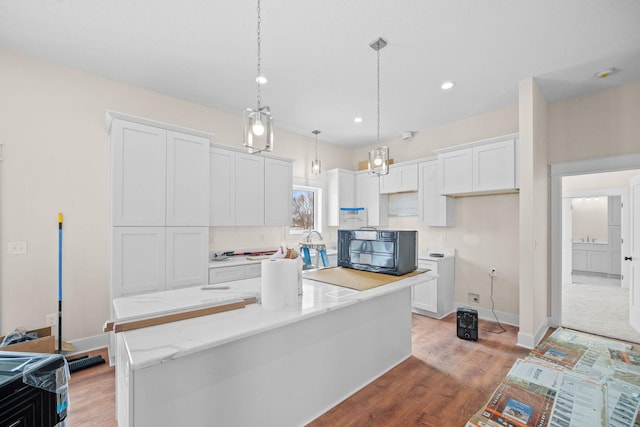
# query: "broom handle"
{"points": [[60, 282]]}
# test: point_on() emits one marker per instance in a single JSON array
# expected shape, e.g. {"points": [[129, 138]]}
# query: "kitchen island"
{"points": [[254, 366]]}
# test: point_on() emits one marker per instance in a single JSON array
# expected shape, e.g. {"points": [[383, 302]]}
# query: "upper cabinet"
{"points": [[433, 208], [340, 194], [277, 192], [159, 176], [484, 167], [400, 179], [249, 189], [368, 196]]}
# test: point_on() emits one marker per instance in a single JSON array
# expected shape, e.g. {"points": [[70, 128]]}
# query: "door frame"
{"points": [[557, 172]]}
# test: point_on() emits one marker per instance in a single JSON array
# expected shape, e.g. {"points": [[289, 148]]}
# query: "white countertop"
{"points": [[153, 345]]}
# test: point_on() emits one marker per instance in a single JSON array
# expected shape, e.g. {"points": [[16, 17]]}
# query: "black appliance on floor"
{"points": [[33, 389], [467, 323]]}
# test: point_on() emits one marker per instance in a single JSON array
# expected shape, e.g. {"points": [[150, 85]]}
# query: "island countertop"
{"points": [[153, 345]]}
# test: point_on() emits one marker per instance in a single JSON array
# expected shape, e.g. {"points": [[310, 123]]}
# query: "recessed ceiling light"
{"points": [[261, 80], [447, 85], [606, 73], [358, 120]]}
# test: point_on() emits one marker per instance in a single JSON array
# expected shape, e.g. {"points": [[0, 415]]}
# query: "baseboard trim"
{"points": [[84, 345], [531, 341]]}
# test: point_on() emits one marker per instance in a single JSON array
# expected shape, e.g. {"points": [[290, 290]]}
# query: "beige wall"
{"points": [[597, 125], [56, 159]]}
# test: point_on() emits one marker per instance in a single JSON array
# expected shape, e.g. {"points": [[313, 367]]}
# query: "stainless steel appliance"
{"points": [[380, 251]]}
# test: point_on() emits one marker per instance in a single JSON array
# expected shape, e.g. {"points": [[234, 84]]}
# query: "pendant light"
{"points": [[258, 126], [379, 156], [315, 164]]}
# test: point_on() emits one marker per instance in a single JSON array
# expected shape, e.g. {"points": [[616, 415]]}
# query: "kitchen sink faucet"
{"points": [[308, 236]]}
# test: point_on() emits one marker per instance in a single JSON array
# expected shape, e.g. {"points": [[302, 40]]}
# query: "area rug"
{"points": [[570, 379]]}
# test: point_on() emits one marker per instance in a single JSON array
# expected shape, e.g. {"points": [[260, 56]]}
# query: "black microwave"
{"points": [[380, 251]]}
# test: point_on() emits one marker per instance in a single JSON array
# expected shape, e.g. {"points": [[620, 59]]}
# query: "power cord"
{"points": [[502, 329]]}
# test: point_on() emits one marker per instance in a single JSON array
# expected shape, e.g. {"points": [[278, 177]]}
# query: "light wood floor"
{"points": [[443, 383]]}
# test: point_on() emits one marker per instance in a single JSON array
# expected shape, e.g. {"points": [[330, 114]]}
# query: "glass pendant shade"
{"points": [[316, 167], [258, 130], [379, 161]]}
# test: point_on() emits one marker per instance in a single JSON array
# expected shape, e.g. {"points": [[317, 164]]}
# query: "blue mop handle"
{"points": [[60, 282]]}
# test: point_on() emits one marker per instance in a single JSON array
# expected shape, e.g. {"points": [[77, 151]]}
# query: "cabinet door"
{"points": [[187, 256], [138, 174], [340, 194], [494, 166], [226, 274], [138, 260], [455, 169], [433, 209], [599, 261], [249, 189], [368, 196], [579, 260], [425, 296], [222, 185], [278, 184], [187, 180], [400, 179]]}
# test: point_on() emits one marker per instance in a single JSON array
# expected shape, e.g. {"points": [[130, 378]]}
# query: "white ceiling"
{"points": [[316, 54]]}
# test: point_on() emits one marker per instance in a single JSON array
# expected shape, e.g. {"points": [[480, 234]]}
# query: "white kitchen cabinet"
{"points": [[400, 179], [367, 194], [435, 298], [433, 208], [152, 259], [340, 194], [185, 265], [234, 272], [249, 189], [138, 174], [137, 260], [159, 176], [187, 180], [485, 167], [278, 183], [222, 185]]}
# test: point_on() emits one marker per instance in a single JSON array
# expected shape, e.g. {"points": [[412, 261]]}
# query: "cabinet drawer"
{"points": [[431, 265], [253, 270], [225, 274]]}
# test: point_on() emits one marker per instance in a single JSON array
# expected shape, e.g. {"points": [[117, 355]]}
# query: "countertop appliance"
{"points": [[33, 389], [380, 251]]}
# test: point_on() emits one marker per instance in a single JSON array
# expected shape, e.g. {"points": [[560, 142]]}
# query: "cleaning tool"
{"points": [[60, 282]]}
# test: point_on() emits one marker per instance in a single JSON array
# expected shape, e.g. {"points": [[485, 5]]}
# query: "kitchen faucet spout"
{"points": [[308, 236]]}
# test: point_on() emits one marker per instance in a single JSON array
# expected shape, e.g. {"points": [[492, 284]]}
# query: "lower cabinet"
{"points": [[435, 298], [152, 259], [591, 258], [234, 272]]}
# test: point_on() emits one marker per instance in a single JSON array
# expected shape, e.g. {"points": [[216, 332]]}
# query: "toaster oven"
{"points": [[380, 251]]}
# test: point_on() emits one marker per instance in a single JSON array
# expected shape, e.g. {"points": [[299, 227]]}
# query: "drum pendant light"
{"points": [[258, 123]]}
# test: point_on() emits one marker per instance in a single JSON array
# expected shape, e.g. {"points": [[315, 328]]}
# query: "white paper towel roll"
{"points": [[279, 284]]}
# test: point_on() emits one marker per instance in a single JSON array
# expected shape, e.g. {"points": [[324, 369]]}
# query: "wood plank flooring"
{"points": [[443, 383]]}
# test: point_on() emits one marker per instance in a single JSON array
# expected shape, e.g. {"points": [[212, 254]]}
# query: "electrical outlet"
{"points": [[52, 319], [474, 298], [17, 248], [492, 272]]}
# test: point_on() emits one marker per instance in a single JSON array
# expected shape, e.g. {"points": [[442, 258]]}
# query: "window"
{"points": [[307, 208]]}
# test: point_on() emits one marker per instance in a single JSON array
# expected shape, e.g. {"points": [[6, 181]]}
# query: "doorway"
{"points": [[592, 297]]}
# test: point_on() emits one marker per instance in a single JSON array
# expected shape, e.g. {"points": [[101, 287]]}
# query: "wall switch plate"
{"points": [[17, 248], [52, 319]]}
